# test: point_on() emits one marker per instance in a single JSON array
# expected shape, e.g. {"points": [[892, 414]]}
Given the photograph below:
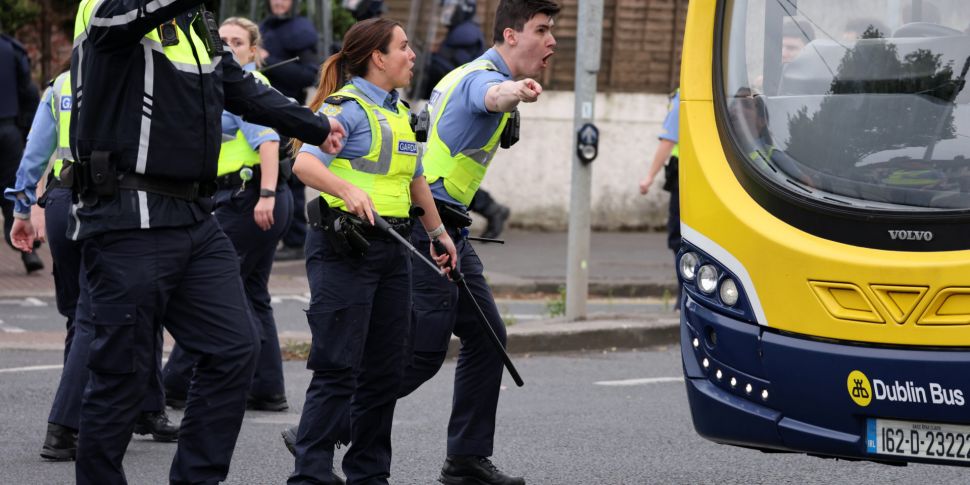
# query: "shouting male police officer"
{"points": [[472, 110], [151, 79]]}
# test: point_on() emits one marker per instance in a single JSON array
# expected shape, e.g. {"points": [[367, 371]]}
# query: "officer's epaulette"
{"points": [[337, 99], [405, 103]]}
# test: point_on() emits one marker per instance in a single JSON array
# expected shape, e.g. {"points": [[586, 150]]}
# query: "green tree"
{"points": [[14, 14]]}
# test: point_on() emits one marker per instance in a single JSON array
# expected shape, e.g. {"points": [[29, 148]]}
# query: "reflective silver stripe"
{"points": [[63, 153], [146, 122], [126, 17], [383, 164], [77, 221], [182, 66], [143, 208], [479, 155]]}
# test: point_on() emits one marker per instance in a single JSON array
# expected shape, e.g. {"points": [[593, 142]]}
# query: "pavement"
{"points": [[530, 264]]}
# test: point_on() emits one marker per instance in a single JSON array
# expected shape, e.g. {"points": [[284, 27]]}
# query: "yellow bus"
{"points": [[825, 217]]}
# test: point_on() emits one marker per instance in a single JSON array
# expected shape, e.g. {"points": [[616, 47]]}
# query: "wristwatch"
{"points": [[267, 193]]}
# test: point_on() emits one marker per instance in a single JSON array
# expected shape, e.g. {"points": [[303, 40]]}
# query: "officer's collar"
{"points": [[375, 94], [496, 59]]}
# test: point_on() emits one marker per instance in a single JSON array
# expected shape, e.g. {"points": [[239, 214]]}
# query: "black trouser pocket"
{"points": [[338, 337], [113, 346]]}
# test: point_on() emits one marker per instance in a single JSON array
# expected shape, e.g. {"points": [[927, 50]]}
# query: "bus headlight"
{"points": [[707, 279], [688, 266], [729, 292]]}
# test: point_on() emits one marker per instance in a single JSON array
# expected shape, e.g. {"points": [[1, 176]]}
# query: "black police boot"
{"points": [[60, 443], [157, 424], [275, 403], [289, 439], [473, 470], [496, 215], [32, 262]]}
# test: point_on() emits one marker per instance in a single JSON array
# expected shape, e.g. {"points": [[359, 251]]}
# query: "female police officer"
{"points": [[254, 208], [360, 297]]}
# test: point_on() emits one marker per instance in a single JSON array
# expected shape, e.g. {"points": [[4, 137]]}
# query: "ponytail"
{"points": [[331, 79]]}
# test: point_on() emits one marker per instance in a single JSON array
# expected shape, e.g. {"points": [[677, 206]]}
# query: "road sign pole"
{"points": [[589, 37]]}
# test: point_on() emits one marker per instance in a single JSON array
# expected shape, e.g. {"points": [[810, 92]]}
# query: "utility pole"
{"points": [[589, 37]]}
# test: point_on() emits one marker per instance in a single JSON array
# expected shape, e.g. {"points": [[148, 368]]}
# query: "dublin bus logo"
{"points": [[860, 389]]}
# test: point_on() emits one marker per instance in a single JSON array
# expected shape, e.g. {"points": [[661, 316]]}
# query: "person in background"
{"points": [[666, 156], [286, 35], [795, 35], [18, 99]]}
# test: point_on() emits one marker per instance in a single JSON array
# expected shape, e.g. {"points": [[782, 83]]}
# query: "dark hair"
{"points": [[360, 41], [513, 14], [797, 28]]}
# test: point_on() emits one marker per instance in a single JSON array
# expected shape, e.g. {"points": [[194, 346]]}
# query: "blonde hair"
{"points": [[250, 27]]}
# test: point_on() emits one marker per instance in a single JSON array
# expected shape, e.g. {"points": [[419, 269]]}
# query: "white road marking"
{"points": [[33, 302], [31, 368], [638, 382], [9, 329], [299, 298], [28, 302]]}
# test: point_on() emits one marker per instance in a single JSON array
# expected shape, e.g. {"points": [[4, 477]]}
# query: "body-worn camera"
{"points": [[510, 134], [421, 125], [168, 33]]}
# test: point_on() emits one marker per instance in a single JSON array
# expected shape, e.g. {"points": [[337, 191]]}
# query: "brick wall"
{"points": [[641, 41]]}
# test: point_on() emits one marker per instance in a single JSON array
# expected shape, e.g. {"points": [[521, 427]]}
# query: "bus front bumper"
{"points": [[753, 387]]}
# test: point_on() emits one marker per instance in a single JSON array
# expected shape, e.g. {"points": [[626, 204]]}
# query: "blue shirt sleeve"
{"points": [[41, 143], [472, 89], [671, 126], [230, 123], [256, 135], [358, 139]]}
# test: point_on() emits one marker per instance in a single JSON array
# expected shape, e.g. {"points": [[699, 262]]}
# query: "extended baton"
{"points": [[459, 279], [381, 224], [278, 64], [485, 239]]}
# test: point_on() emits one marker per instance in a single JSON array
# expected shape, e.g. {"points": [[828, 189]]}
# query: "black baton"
{"points": [[459, 279], [381, 224]]}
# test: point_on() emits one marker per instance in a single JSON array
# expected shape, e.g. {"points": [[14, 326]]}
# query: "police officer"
{"points": [[150, 82], [470, 110], [49, 136], [667, 156], [18, 97], [254, 207], [359, 276]]}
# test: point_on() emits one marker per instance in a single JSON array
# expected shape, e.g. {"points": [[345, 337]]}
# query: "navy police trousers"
{"points": [[359, 316], [66, 409], [440, 309], [187, 279]]}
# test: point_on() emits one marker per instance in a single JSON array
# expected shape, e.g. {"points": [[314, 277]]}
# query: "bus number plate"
{"points": [[938, 441]]}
